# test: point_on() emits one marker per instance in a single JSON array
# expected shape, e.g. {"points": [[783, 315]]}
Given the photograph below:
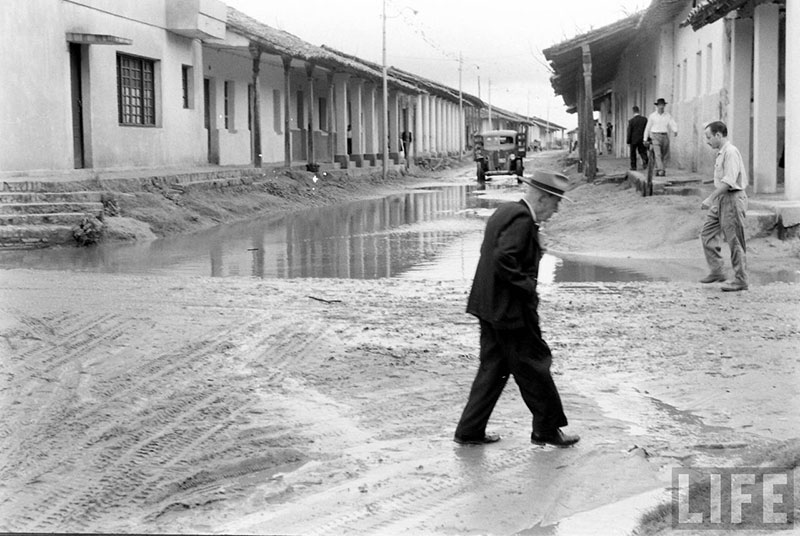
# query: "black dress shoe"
{"points": [[556, 437], [486, 439]]}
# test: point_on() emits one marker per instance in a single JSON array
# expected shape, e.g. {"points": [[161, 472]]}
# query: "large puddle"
{"points": [[423, 233]]}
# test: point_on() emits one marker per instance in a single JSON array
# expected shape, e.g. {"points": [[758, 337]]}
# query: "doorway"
{"points": [[209, 121], [76, 99]]}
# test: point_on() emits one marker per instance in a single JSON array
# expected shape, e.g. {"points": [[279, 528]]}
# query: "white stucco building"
{"points": [[714, 60], [105, 84]]}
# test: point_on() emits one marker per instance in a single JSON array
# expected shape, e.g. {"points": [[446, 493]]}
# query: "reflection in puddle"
{"points": [[425, 233], [363, 240]]}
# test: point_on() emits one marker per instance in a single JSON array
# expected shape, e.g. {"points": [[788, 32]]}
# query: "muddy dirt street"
{"points": [[172, 404]]}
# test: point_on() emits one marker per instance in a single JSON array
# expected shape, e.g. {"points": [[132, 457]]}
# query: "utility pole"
{"points": [[385, 129], [490, 104], [460, 109]]}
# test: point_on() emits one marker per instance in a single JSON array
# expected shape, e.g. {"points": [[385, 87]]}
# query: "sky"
{"points": [[501, 43]]}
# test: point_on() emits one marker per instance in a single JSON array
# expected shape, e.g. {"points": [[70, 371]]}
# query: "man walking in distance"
{"points": [[505, 300], [636, 126], [726, 210], [659, 125]]}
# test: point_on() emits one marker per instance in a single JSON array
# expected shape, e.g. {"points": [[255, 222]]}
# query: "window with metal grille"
{"points": [[136, 90]]}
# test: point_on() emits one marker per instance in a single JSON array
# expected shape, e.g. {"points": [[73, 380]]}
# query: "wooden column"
{"points": [[255, 52], [331, 118], [287, 132], [311, 113], [579, 108], [590, 169], [792, 144], [765, 98]]}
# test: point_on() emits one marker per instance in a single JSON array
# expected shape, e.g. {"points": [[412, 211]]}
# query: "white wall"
{"points": [[668, 67], [699, 90], [35, 115], [35, 108]]}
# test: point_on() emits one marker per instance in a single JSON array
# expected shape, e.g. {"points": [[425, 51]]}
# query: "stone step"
{"points": [[36, 185], [759, 223], [51, 208], [212, 184], [683, 190], [34, 236], [51, 197], [61, 218]]}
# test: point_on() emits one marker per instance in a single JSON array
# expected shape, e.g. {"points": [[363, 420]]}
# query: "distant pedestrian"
{"points": [[349, 139], [505, 300], [599, 137], [726, 210], [636, 126], [659, 125], [406, 137], [609, 137]]}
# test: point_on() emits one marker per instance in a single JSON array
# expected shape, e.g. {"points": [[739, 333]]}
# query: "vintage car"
{"points": [[499, 152]]}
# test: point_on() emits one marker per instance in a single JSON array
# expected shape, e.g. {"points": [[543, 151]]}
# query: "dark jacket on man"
{"points": [[636, 126], [504, 290], [504, 299]]}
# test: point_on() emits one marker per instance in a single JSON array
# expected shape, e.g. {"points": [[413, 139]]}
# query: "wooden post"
{"points": [[579, 107], [590, 170], [311, 113], [287, 133], [331, 119], [255, 52]]}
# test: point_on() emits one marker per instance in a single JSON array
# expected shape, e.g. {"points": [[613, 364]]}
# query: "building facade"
{"points": [[719, 60], [104, 84]]}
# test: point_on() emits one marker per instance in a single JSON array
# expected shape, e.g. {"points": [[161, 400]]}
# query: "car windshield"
{"points": [[496, 141]]}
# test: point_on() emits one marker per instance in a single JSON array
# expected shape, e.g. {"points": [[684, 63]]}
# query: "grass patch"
{"points": [[658, 520]]}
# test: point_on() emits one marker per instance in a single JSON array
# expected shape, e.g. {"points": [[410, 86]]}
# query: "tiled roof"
{"points": [[711, 11], [279, 42], [606, 45]]}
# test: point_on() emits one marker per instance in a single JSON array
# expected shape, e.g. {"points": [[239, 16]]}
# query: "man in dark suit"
{"points": [[636, 126], [505, 300]]}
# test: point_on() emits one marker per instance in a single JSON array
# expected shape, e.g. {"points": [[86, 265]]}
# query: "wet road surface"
{"points": [[431, 233]]}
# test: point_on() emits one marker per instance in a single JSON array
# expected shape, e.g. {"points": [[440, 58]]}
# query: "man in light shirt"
{"points": [[726, 210], [659, 125]]}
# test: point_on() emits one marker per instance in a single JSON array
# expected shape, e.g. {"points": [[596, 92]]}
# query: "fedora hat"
{"points": [[660, 101], [548, 181]]}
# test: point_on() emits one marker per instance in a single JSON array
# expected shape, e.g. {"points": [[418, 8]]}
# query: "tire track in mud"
{"points": [[145, 380], [125, 472], [415, 503], [45, 362], [129, 466], [142, 380], [82, 335], [118, 473]]}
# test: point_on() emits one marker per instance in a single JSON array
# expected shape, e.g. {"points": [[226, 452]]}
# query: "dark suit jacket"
{"points": [[504, 289], [636, 126]]}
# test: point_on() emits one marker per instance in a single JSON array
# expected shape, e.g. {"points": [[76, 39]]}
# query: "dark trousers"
{"points": [[642, 150], [520, 352]]}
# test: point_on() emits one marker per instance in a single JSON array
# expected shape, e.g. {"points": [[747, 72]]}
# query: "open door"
{"points": [[76, 98]]}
